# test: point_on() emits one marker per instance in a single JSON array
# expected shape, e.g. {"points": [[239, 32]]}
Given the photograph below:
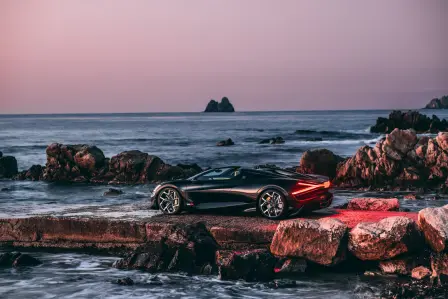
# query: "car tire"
{"points": [[272, 204], [169, 201]]}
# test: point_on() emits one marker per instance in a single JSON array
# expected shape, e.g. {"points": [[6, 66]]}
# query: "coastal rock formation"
{"points": [[433, 222], [223, 106], [186, 248], [409, 120], [319, 161], [8, 166], [226, 142], [401, 266], [385, 239], [35, 173], [290, 266], [321, 241], [250, 265], [374, 204], [420, 273], [436, 103], [439, 265], [399, 161], [17, 259], [275, 140]]}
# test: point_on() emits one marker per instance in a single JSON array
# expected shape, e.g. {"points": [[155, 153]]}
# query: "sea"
{"points": [[175, 138]]}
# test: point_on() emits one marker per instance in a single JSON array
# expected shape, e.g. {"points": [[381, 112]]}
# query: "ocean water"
{"points": [[175, 138]]}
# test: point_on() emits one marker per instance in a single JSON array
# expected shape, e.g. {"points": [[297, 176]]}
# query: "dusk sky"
{"points": [[79, 56]]}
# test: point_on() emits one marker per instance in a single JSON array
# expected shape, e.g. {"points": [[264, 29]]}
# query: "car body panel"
{"points": [[243, 190]]}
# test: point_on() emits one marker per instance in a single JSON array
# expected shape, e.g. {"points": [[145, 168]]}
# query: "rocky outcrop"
{"points": [[17, 259], [250, 265], [400, 161], [374, 204], [436, 103], [321, 241], [227, 142], [275, 140], [186, 248], [87, 164], [8, 166], [223, 106], [385, 239], [401, 266], [439, 266], [420, 273], [433, 222], [409, 120], [319, 161]]}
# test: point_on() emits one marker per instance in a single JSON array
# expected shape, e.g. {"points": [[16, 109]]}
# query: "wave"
{"points": [[335, 142]]}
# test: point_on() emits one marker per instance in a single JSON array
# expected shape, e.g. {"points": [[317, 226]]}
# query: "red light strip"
{"points": [[327, 184]]}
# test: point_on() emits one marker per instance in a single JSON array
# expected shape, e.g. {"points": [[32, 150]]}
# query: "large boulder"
{"points": [[17, 259], [250, 265], [8, 166], [409, 120], [385, 239], [433, 222], [374, 204], [319, 161], [398, 143], [183, 247], [321, 241], [223, 106]]}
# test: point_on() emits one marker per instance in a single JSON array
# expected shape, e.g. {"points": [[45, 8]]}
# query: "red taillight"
{"points": [[309, 187]]}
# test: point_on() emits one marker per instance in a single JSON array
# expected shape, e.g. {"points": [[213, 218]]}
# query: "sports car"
{"points": [[274, 192]]}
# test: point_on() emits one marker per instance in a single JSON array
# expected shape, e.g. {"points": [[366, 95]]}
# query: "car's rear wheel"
{"points": [[272, 204], [169, 201]]}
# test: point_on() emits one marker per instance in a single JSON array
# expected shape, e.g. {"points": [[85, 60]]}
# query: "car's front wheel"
{"points": [[272, 204], [169, 201]]}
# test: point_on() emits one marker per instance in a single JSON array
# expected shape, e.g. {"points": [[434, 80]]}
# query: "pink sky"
{"points": [[77, 56]]}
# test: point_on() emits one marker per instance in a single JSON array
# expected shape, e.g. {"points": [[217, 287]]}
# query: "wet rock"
{"points": [[125, 281], [185, 248], [385, 239], [420, 273], [409, 120], [442, 140], [319, 161], [413, 289], [398, 143], [439, 266], [227, 142], [17, 259], [113, 192], [223, 106], [35, 173], [321, 241], [8, 167], [401, 266], [433, 222], [374, 204], [275, 140], [412, 196], [250, 265], [290, 266], [282, 284]]}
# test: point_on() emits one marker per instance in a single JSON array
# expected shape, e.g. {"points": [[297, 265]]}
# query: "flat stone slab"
{"points": [[102, 233]]}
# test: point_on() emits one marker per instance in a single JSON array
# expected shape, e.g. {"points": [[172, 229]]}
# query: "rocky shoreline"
{"points": [[253, 249]]}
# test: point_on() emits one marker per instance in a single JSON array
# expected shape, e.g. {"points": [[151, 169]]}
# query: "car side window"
{"points": [[219, 174]]}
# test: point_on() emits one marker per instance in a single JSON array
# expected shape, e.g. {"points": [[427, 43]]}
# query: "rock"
{"points": [[250, 265], [420, 273], [412, 289], [399, 142], [125, 281], [436, 103], [1, 154], [439, 266], [412, 196], [8, 167], [442, 140], [113, 192], [17, 259], [290, 266], [385, 239], [401, 266], [374, 204], [282, 284], [227, 142], [321, 241], [186, 248], [35, 173], [319, 161], [433, 222], [409, 120], [223, 106], [275, 140]]}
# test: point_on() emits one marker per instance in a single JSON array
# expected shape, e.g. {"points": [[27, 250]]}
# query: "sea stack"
{"points": [[223, 106], [436, 103]]}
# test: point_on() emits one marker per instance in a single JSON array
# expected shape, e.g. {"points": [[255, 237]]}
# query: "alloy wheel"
{"points": [[271, 204], [169, 201]]}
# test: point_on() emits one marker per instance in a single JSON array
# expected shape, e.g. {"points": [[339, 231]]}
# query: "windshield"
{"points": [[218, 174]]}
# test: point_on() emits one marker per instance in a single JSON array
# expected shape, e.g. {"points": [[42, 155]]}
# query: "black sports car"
{"points": [[274, 192]]}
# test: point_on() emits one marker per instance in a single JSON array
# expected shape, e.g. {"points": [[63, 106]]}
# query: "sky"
{"points": [[94, 56]]}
